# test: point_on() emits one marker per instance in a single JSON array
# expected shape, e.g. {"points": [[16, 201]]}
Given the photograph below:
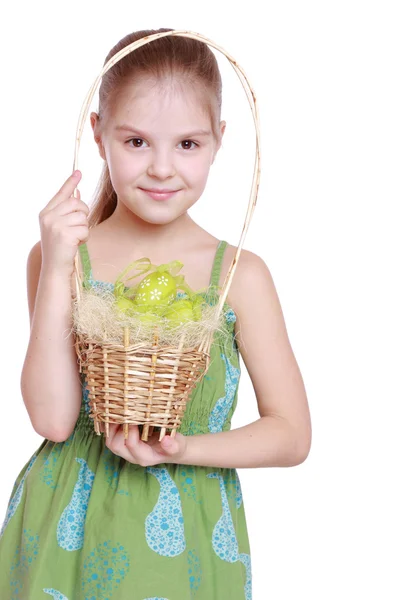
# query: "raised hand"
{"points": [[64, 226]]}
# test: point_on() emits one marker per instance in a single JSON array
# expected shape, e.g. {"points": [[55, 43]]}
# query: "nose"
{"points": [[161, 165]]}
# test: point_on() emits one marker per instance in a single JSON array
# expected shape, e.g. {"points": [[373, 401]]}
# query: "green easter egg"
{"points": [[157, 289], [181, 311], [124, 304]]}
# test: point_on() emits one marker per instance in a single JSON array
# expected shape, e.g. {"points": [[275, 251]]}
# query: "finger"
{"points": [[112, 431], [154, 438], [70, 205], [128, 448], [132, 441], [75, 218], [76, 194], [65, 190], [113, 441], [174, 446], [82, 234], [169, 445]]}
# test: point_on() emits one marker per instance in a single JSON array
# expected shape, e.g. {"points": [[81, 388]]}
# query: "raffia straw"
{"points": [[254, 109]]}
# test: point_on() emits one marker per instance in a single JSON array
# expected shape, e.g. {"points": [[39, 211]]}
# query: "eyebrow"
{"points": [[200, 132]]}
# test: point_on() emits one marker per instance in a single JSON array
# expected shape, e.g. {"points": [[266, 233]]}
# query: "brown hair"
{"points": [[169, 56]]}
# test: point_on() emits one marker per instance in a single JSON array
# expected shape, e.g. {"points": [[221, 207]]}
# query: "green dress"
{"points": [[85, 524]]}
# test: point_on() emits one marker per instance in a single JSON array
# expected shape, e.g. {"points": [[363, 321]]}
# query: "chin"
{"points": [[159, 219]]}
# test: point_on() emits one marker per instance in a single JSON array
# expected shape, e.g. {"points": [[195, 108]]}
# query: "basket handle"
{"points": [[257, 167]]}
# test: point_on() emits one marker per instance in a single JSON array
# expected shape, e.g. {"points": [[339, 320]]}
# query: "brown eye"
{"points": [[188, 142], [135, 140]]}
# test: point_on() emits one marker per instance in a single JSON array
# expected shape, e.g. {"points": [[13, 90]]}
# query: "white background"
{"points": [[326, 76]]}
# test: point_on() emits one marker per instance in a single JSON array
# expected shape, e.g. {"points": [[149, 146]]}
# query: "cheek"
{"points": [[123, 168], [197, 172]]}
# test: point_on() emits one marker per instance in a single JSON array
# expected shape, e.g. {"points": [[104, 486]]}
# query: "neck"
{"points": [[127, 225]]}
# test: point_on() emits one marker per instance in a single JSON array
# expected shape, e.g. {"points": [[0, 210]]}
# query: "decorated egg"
{"points": [[157, 289]]}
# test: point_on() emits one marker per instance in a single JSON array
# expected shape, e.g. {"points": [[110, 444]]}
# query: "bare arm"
{"points": [[281, 437], [50, 382]]}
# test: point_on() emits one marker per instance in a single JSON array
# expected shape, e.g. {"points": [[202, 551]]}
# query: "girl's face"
{"points": [[157, 138]]}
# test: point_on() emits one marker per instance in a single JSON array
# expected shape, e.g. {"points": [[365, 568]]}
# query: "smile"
{"points": [[159, 195]]}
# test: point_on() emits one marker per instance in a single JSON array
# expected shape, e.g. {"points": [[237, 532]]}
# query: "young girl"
{"points": [[91, 518]]}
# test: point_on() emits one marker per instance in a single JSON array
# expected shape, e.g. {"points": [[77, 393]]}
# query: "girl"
{"points": [[95, 519]]}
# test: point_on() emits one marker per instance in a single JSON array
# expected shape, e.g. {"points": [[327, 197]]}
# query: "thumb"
{"points": [[169, 445]]}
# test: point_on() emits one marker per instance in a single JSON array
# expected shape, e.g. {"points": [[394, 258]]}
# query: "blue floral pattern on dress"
{"points": [[104, 569], [230, 316], [232, 486], [70, 529], [195, 571], [164, 525], [16, 499], [55, 593], [186, 476], [224, 539], [25, 554], [222, 407], [111, 462], [51, 457]]}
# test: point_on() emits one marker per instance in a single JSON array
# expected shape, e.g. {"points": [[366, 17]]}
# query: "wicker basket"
{"points": [[141, 383]]}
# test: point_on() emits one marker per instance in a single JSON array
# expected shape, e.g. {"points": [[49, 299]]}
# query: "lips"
{"points": [[158, 191], [157, 195]]}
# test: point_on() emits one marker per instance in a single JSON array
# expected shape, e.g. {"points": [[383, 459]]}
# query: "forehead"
{"points": [[162, 105]]}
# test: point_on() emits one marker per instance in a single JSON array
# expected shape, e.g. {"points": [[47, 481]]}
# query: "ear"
{"points": [[94, 121], [222, 130]]}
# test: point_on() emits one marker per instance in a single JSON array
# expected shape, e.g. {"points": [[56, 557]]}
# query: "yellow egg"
{"points": [[157, 289]]}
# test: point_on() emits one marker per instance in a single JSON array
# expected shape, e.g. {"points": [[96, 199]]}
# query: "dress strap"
{"points": [[87, 267], [216, 270]]}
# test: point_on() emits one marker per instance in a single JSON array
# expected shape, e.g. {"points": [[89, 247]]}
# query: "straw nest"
{"points": [[97, 317]]}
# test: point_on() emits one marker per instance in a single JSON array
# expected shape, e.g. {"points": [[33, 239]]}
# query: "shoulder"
{"points": [[249, 262], [249, 265], [252, 283]]}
